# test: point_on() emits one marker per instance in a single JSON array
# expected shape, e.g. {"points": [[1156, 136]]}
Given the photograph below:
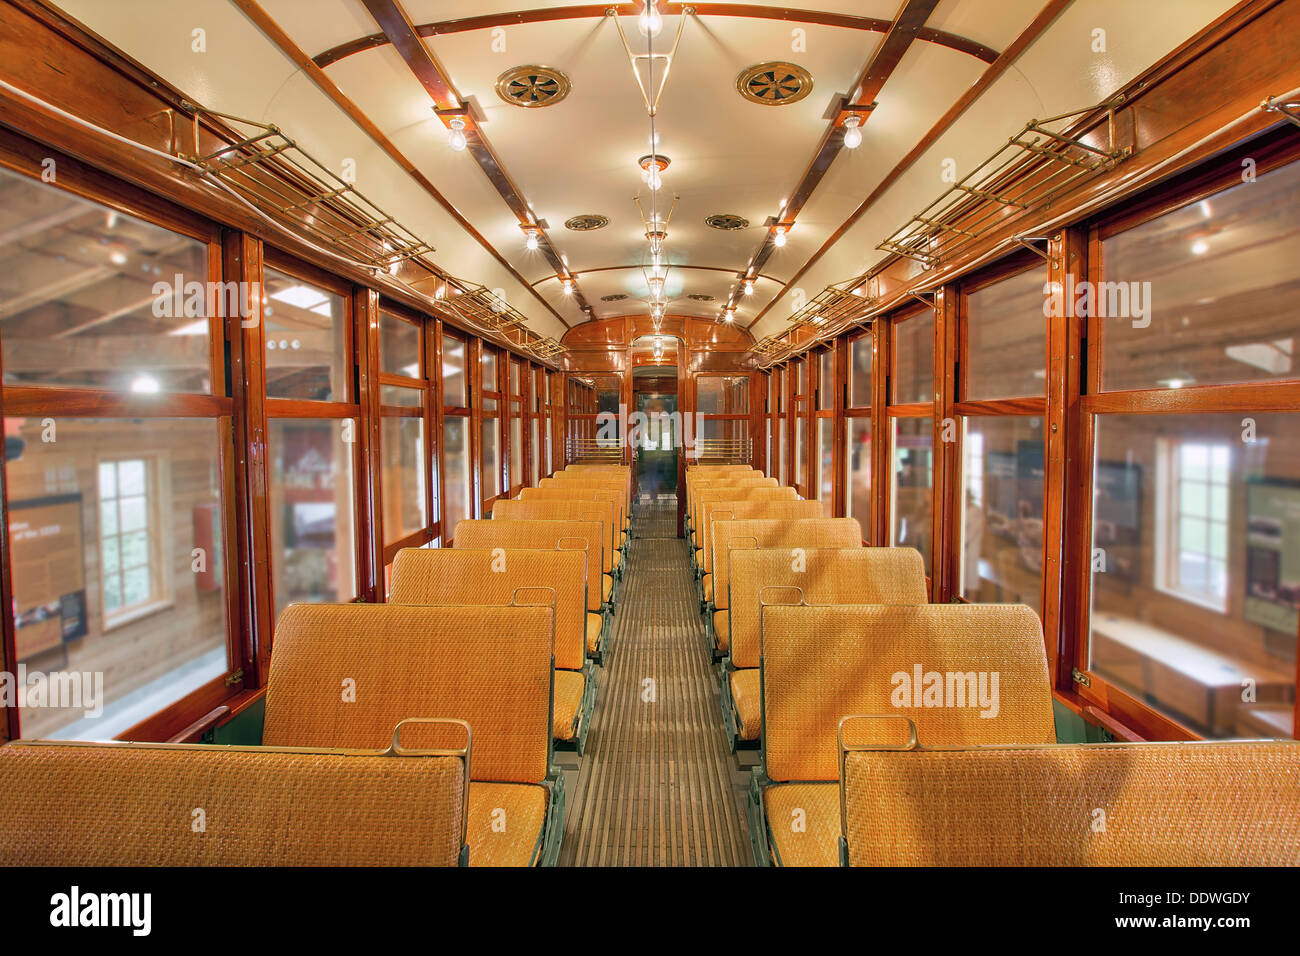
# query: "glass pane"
{"points": [[860, 372], [405, 479], [306, 340], [399, 346], [800, 446], [548, 465], [722, 394], [1002, 516], [84, 285], [1196, 591], [913, 477], [535, 459], [801, 377], [826, 381], [770, 471], [457, 486], [142, 611], [514, 379], [453, 372], [857, 462], [826, 455], [1006, 339], [1205, 294], [404, 397], [780, 456], [914, 359], [491, 478], [489, 370], [313, 537], [780, 390], [516, 452], [535, 400]]}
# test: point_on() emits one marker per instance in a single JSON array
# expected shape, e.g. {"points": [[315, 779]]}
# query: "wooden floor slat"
{"points": [[656, 783]]}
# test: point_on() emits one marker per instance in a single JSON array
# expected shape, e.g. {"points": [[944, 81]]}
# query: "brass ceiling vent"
{"points": [[700, 297], [533, 86], [614, 297], [774, 84], [587, 222], [727, 221]]}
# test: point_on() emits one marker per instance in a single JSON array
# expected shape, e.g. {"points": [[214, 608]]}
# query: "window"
{"points": [[129, 540], [307, 342], [1205, 294], [914, 358], [457, 478], [913, 479], [857, 460], [490, 451], [1006, 338], [1192, 541]]}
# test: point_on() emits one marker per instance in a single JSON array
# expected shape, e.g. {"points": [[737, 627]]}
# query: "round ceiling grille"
{"points": [[700, 297], [615, 297], [774, 84], [532, 86], [587, 222], [725, 220]]}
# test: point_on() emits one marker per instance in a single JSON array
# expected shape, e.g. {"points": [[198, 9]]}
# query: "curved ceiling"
{"points": [[360, 79]]}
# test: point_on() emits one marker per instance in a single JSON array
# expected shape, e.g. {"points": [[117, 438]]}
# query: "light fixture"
{"points": [[1200, 247], [778, 238], [456, 140], [568, 287], [145, 385], [656, 286], [852, 134], [657, 311], [649, 23], [531, 242], [730, 315], [652, 169], [749, 287], [117, 258]]}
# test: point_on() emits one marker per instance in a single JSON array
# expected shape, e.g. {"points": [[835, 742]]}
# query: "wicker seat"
{"points": [[1158, 804], [81, 804], [457, 576], [595, 511], [342, 673], [573, 491], [484, 534], [711, 500], [821, 663]]}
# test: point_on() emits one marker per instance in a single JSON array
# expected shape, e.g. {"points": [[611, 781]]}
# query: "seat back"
{"points": [[65, 803], [579, 491], [966, 674], [344, 675], [620, 473], [721, 484], [780, 526], [460, 576], [595, 481], [582, 536], [571, 511], [1164, 804], [853, 575], [711, 499]]}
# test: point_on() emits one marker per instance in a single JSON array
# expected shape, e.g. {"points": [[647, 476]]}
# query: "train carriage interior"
{"points": [[523, 433]]}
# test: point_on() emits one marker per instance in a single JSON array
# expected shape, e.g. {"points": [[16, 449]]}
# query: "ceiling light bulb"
{"points": [[649, 23], [568, 287], [531, 242], [1200, 247], [457, 138], [145, 385], [730, 315], [749, 287], [852, 134], [778, 240]]}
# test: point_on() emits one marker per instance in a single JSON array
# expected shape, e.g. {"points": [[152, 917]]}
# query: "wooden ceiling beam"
{"points": [[884, 61], [597, 10], [401, 33], [276, 34], [1045, 17]]}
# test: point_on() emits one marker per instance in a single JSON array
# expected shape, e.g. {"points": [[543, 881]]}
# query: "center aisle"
{"points": [[656, 786]]}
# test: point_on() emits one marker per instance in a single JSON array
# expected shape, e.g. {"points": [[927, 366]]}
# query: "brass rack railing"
{"points": [[1034, 165], [725, 450], [832, 311]]}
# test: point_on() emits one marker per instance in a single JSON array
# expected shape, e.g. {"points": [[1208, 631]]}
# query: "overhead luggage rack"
{"points": [[272, 172], [720, 450], [594, 450], [832, 311], [1034, 165], [485, 311]]}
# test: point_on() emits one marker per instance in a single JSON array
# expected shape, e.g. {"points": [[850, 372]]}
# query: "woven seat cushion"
{"points": [[722, 630], [595, 622], [569, 686], [746, 692], [517, 836], [805, 822], [622, 538], [708, 588], [607, 586], [618, 558]]}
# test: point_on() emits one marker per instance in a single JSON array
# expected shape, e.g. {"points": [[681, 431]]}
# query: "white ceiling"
{"points": [[728, 155]]}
